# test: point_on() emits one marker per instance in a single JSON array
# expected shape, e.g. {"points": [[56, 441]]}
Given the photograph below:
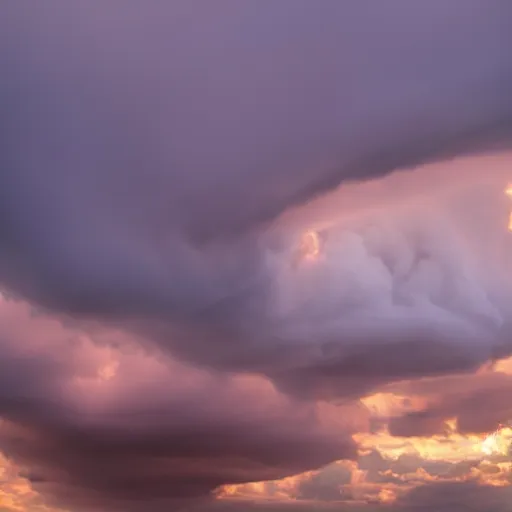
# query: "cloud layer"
{"points": [[164, 329], [142, 141], [101, 426]]}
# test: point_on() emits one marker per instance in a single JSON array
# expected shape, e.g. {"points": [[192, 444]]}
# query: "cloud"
{"points": [[138, 144], [441, 497], [93, 426], [397, 291], [404, 483], [458, 497], [94, 396], [480, 403], [159, 166], [146, 155]]}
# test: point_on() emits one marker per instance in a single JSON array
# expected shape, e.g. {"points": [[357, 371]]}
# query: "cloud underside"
{"points": [[164, 331], [449, 497]]}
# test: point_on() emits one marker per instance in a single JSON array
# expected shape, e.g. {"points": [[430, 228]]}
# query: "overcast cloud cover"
{"points": [[160, 332]]}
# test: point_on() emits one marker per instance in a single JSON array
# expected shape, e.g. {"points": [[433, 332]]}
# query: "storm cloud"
{"points": [[138, 142], [163, 330], [93, 426], [147, 151]]}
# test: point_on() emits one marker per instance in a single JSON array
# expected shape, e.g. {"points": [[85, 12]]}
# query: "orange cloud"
{"points": [[389, 467]]}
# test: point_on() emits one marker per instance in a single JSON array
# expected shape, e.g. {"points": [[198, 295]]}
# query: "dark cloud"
{"points": [[153, 160], [457, 497], [480, 403], [130, 469], [396, 293], [262, 506], [111, 429], [138, 143], [144, 153]]}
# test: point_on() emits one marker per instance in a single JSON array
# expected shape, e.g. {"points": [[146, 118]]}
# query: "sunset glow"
{"points": [[310, 246], [424, 456], [498, 442], [508, 192]]}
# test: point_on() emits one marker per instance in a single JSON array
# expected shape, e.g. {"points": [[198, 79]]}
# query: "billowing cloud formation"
{"points": [[414, 288], [143, 151], [159, 168], [98, 426], [137, 142]]}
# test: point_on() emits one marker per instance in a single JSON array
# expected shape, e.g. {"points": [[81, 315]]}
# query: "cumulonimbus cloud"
{"points": [[144, 151], [138, 143], [155, 166]]}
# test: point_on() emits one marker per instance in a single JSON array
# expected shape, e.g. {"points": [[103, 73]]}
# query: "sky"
{"points": [[255, 256]]}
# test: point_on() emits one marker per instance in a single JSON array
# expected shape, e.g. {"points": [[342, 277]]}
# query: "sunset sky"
{"points": [[255, 256]]}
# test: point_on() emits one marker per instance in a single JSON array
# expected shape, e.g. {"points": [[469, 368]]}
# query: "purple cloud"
{"points": [[158, 167], [94, 426]]}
